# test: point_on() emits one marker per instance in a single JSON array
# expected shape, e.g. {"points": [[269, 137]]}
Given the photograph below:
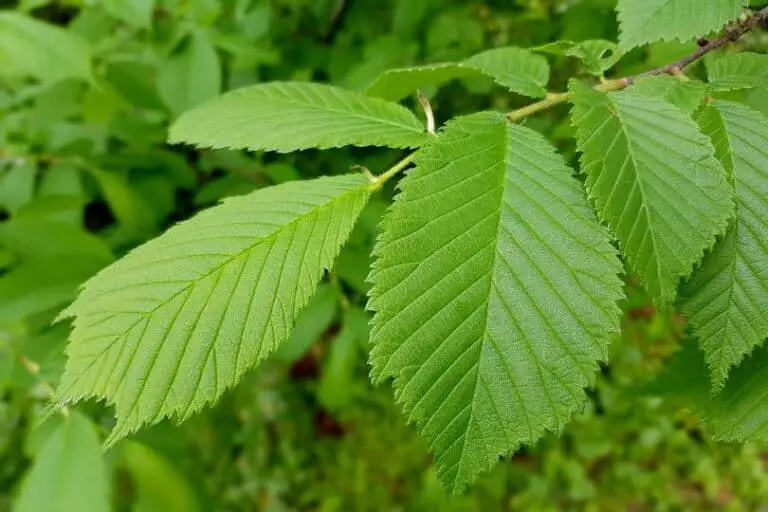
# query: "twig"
{"points": [[674, 68]]}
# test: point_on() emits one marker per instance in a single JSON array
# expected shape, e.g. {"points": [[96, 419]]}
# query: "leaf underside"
{"points": [[655, 181], [519, 70], [495, 294], [646, 21], [169, 327], [289, 116], [726, 300]]}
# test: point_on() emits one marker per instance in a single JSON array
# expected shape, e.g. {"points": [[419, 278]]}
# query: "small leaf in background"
{"points": [[31, 48], [17, 184], [646, 21], [132, 210], [159, 486], [68, 473], [35, 238], [337, 378], [134, 12], [598, 55], [299, 116], [191, 76], [311, 323], [207, 300], [737, 71]]}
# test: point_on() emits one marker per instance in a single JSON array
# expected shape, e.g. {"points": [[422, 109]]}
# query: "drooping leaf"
{"points": [[31, 48], [289, 116], [495, 294], [742, 70], [598, 55], [687, 95], [191, 76], [518, 69], [313, 321], [68, 472], [655, 181], [335, 388], [396, 84], [169, 327], [646, 21], [727, 298]]}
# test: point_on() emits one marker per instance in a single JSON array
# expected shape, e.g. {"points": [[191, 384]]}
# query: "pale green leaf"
{"points": [[336, 385], [134, 12], [495, 294], [68, 472], [727, 298], [396, 84], [169, 327], [17, 185], [191, 76], [311, 323], [289, 116], [517, 69], [655, 181], [646, 21], [742, 70], [31, 48], [687, 95], [598, 55], [520, 70]]}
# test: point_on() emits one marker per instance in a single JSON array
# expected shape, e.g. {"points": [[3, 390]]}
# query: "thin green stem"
{"points": [[382, 178]]}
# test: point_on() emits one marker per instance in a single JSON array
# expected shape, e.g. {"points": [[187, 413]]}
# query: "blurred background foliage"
{"points": [[85, 176]]}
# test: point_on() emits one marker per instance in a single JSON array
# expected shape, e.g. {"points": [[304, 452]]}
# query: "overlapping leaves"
{"points": [[169, 327], [655, 181], [495, 294], [727, 298]]}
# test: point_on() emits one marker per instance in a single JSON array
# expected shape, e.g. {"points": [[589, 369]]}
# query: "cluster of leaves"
{"points": [[495, 284]]}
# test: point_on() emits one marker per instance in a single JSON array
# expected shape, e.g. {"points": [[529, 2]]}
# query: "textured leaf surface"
{"points": [[726, 301], [68, 472], [288, 116], [520, 70], [655, 181], [687, 95], [495, 294], [32, 48], [646, 21], [738, 71], [174, 323]]}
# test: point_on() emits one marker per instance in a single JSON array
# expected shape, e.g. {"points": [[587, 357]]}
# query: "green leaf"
{"points": [[646, 21], [495, 294], [727, 298], [311, 323], [17, 185], [158, 484], [687, 95], [191, 76], [206, 301], [337, 378], [739, 412], [598, 55], [396, 84], [655, 181], [68, 473], [289, 116], [30, 48], [134, 12], [742, 70], [34, 238], [520, 70]]}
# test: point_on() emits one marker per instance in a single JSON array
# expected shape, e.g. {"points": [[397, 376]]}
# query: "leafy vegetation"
{"points": [[510, 212]]}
